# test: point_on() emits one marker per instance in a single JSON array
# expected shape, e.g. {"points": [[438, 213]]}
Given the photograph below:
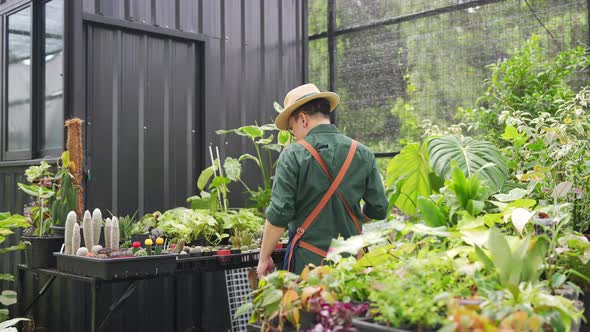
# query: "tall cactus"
{"points": [[107, 233], [88, 230], [96, 225], [75, 238], [114, 234], [70, 221]]}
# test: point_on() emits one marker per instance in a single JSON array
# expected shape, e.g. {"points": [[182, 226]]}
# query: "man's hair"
{"points": [[316, 106]]}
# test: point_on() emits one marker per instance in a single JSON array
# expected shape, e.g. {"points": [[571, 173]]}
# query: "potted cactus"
{"points": [[110, 262]]}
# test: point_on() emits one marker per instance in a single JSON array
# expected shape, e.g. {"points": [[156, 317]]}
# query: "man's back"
{"points": [[300, 183]]}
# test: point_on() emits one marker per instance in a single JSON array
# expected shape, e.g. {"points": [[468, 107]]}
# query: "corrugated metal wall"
{"points": [[143, 114], [252, 56]]}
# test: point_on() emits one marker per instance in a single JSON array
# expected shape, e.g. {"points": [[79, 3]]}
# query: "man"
{"points": [[318, 184]]}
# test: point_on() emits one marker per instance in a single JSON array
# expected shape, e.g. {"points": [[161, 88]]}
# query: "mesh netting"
{"points": [[393, 77]]}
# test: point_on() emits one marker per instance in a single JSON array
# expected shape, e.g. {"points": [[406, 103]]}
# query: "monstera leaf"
{"points": [[412, 166], [472, 156]]}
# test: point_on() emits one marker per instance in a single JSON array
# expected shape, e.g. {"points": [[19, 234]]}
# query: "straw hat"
{"points": [[299, 96]]}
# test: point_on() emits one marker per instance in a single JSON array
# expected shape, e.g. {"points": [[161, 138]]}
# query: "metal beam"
{"points": [[406, 18], [150, 29], [305, 32], [332, 52]]}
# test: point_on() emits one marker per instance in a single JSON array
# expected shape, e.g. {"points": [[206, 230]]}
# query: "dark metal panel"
{"points": [[232, 74], [182, 120], [140, 11], [272, 71], [74, 62], [111, 8], [189, 15], [132, 64], [154, 131], [100, 54], [89, 6], [290, 62], [165, 13], [214, 99]]}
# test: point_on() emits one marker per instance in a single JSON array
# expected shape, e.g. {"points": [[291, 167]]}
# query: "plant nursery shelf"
{"points": [[117, 268]]}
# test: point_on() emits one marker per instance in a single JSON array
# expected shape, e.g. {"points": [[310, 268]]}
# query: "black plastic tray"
{"points": [[117, 268], [363, 325], [225, 262]]}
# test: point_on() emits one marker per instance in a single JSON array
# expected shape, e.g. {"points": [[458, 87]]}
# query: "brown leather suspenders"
{"points": [[335, 183]]}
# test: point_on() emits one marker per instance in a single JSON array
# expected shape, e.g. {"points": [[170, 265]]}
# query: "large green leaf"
{"points": [[252, 131], [6, 277], [533, 263], [272, 296], [284, 137], [19, 246], [471, 156], [431, 213], [14, 221], [10, 323], [267, 140], [501, 253], [206, 174], [411, 164], [36, 191], [233, 169], [7, 297], [248, 156]]}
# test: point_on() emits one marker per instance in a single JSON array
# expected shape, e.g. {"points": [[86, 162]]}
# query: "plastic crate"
{"points": [[238, 290]]}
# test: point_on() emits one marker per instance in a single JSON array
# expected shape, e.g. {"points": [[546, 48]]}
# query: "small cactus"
{"points": [[136, 247], [87, 229], [179, 246], [114, 234], [108, 225], [69, 227], [75, 238], [148, 246], [96, 225], [159, 243], [96, 249], [83, 251], [140, 253]]}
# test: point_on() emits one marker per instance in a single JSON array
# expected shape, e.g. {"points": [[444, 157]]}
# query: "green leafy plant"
{"points": [[411, 172], [472, 157], [126, 225], [55, 193], [40, 212], [188, 225], [145, 224], [530, 82], [524, 264], [8, 223], [65, 198], [263, 141], [419, 171]]}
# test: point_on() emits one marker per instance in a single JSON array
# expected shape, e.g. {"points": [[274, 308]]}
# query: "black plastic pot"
{"points": [[58, 230], [117, 268], [39, 253], [366, 325], [307, 321]]}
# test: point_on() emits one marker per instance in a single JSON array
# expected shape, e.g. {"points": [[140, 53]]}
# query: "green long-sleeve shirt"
{"points": [[300, 183]]}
